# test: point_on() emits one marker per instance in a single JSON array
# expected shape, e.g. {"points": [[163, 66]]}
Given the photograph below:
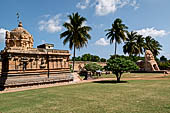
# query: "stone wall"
{"points": [[81, 64], [34, 60]]}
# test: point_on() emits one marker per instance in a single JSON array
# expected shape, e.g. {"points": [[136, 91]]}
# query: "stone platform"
{"points": [[18, 81]]}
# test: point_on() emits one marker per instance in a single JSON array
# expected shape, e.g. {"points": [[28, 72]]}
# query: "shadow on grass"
{"points": [[110, 81]]}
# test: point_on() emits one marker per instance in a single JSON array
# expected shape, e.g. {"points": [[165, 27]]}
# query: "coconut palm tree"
{"points": [[76, 34], [130, 46], [148, 42], [116, 33], [152, 45], [140, 44]]}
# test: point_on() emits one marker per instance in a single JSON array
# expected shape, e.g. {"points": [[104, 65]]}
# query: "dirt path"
{"points": [[156, 77]]}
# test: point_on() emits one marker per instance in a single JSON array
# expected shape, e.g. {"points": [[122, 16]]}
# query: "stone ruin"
{"points": [[150, 63]]}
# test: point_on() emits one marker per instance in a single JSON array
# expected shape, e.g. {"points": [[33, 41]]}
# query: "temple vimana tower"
{"points": [[19, 56]]}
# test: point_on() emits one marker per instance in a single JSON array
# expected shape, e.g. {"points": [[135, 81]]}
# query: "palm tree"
{"points": [[140, 44], [152, 45], [117, 32], [148, 42], [76, 34], [130, 46]]}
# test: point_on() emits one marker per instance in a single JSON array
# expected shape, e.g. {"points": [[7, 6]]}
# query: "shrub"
{"points": [[93, 67], [164, 65]]}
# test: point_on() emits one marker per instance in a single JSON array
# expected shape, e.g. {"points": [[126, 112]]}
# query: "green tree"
{"points": [[140, 44], [77, 58], [95, 58], [119, 65], [76, 34], [86, 57], [116, 33], [163, 59], [103, 60], [130, 46], [93, 67]]}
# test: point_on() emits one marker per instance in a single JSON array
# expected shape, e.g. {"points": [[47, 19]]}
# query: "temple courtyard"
{"points": [[137, 93]]}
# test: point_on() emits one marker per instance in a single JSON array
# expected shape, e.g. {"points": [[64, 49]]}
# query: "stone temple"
{"points": [[20, 58]]}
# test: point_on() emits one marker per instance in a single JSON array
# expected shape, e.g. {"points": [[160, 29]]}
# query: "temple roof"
{"points": [[19, 38], [20, 31]]}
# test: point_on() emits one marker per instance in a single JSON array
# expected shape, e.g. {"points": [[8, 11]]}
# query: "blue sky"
{"points": [[44, 19]]}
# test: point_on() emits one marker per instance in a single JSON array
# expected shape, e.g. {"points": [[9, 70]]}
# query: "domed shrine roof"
{"points": [[19, 38]]}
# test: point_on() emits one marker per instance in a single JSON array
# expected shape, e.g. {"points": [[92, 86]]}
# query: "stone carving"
{"points": [[150, 63], [19, 38]]}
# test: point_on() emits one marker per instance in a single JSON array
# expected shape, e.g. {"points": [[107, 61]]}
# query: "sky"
{"points": [[44, 19]]}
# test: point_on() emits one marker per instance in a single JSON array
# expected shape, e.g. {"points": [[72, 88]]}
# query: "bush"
{"points": [[164, 65], [93, 67]]}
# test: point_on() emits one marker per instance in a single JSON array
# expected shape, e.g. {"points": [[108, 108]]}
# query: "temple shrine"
{"points": [[20, 58]]}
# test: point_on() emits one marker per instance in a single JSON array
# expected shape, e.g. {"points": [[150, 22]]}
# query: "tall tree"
{"points": [[152, 45], [76, 34], [140, 44], [130, 46], [116, 33]]}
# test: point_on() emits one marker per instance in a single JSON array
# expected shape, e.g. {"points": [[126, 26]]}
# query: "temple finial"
{"points": [[18, 17], [20, 24], [18, 20]]}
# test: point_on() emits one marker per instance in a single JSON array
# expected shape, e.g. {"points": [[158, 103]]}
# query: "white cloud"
{"points": [[51, 25], [83, 4], [2, 34], [102, 42], [152, 32], [104, 7], [134, 4], [84, 23]]}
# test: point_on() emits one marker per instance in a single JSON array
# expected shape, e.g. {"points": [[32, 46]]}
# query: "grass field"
{"points": [[132, 96]]}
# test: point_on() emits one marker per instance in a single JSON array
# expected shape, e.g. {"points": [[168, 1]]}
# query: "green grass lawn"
{"points": [[134, 96]]}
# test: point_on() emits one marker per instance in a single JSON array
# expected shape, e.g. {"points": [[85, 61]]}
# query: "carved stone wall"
{"points": [[37, 60]]}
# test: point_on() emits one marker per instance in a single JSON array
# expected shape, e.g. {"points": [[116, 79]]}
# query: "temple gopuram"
{"points": [[19, 58]]}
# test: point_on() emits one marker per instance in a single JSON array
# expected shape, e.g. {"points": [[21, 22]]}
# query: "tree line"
{"points": [[89, 57]]}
